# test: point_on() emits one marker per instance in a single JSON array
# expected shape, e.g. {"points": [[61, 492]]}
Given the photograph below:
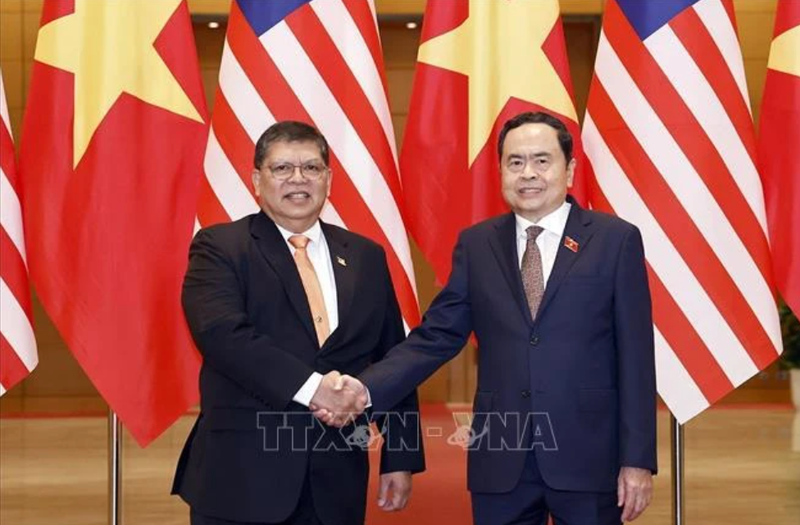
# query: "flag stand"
{"points": [[114, 469], [676, 440]]}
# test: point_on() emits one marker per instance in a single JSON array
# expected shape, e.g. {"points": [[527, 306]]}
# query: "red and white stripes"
{"points": [[18, 356], [321, 64], [669, 135]]}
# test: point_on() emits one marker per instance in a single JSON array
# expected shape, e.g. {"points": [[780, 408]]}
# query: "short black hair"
{"points": [[539, 117], [290, 131]]}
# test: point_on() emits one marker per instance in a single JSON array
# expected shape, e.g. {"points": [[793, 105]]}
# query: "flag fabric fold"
{"points": [[479, 64], [318, 62], [779, 160], [18, 354], [110, 161], [670, 139]]}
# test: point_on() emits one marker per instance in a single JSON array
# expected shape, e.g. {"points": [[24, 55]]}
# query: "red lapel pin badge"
{"points": [[571, 244]]}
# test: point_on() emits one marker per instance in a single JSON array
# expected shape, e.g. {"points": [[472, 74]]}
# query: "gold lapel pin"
{"points": [[341, 261]]}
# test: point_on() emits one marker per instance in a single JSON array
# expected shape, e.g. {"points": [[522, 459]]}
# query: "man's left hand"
{"points": [[634, 491], [395, 490]]}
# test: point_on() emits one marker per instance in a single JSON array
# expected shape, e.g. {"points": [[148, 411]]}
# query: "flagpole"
{"points": [[676, 439], [114, 470]]}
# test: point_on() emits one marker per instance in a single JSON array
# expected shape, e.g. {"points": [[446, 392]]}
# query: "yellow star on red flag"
{"points": [[499, 47], [109, 46], [784, 53]]}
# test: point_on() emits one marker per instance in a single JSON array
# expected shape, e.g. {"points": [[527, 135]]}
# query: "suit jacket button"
{"points": [[526, 393], [534, 340]]}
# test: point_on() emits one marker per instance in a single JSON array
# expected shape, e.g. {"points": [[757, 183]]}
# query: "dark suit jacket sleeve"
{"points": [[440, 337], [214, 304], [635, 357], [401, 427]]}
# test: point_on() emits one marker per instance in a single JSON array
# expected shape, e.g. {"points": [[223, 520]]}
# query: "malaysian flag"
{"points": [[319, 62], [18, 356], [669, 135]]}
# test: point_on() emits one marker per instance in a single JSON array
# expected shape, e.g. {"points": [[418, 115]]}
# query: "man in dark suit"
{"points": [[558, 299], [274, 301]]}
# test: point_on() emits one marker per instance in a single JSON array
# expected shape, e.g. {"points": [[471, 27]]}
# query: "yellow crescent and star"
{"points": [[499, 48], [784, 54], [109, 47]]}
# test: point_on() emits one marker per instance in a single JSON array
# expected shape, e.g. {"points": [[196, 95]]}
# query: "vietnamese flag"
{"points": [[111, 157], [779, 161], [479, 64]]}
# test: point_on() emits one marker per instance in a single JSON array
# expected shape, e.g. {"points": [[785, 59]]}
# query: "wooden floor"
{"points": [[743, 467]]}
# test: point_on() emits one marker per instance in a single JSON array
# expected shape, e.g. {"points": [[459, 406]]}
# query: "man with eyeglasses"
{"points": [[558, 299], [277, 303]]}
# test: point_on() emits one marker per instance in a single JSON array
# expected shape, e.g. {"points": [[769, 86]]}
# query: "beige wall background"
{"points": [[58, 382]]}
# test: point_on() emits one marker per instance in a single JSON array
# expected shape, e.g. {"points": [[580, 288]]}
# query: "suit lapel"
{"points": [[273, 248], [345, 269], [504, 246], [579, 228]]}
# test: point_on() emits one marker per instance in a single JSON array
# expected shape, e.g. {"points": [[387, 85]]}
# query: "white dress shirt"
{"points": [[548, 241], [320, 257]]}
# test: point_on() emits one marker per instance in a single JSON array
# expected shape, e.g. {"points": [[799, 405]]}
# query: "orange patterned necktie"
{"points": [[532, 274], [312, 287]]}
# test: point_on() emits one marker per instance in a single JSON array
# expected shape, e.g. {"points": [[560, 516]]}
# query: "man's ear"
{"points": [[330, 183], [571, 171], [256, 178]]}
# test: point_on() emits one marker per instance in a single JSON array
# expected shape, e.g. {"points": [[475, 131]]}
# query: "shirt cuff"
{"points": [[309, 388]]}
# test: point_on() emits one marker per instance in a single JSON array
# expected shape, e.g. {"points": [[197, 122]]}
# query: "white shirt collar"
{"points": [[314, 233], [553, 222]]}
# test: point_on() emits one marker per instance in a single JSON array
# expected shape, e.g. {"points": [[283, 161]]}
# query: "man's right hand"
{"points": [[339, 399]]}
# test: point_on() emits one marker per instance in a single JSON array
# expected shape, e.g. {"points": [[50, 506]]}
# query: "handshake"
{"points": [[339, 399]]}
